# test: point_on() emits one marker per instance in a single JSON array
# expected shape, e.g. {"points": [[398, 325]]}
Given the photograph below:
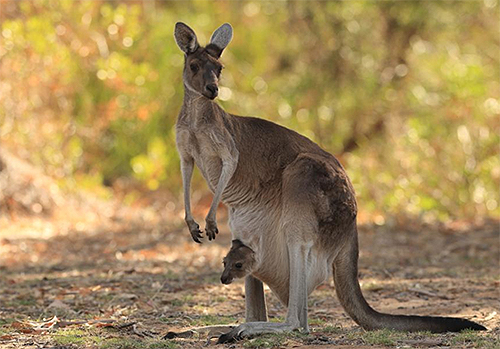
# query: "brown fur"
{"points": [[291, 205]]}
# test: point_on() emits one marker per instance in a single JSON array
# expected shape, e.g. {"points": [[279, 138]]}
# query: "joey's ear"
{"points": [[236, 243], [185, 38], [220, 39]]}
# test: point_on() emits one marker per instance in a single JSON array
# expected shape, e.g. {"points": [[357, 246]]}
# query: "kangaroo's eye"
{"points": [[194, 68], [238, 265], [219, 71]]}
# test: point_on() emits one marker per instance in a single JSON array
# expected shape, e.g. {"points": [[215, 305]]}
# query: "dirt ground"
{"points": [[90, 279]]}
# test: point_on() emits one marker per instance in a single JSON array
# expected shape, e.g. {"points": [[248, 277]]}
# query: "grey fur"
{"points": [[290, 202], [222, 36], [185, 38]]}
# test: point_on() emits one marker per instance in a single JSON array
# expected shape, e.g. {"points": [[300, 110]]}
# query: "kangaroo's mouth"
{"points": [[210, 96], [226, 280]]}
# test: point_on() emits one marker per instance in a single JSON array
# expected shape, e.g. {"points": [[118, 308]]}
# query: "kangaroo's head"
{"points": [[202, 68], [239, 262]]}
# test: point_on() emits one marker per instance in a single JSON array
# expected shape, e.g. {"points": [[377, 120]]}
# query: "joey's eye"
{"points": [[219, 71], [238, 265], [194, 68]]}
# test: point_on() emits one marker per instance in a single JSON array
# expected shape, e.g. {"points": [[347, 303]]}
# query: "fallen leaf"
{"points": [[35, 327], [490, 316], [47, 325], [103, 323]]}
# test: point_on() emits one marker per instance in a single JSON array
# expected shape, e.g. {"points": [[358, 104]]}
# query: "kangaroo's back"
{"points": [[298, 197], [265, 150]]}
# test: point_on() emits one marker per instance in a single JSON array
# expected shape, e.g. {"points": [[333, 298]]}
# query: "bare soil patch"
{"points": [[124, 280]]}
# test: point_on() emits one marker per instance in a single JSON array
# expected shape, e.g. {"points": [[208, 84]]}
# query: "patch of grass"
{"points": [[116, 343], [131, 343], [476, 262], [81, 338], [170, 275], [332, 329], [219, 299], [177, 302], [380, 337], [298, 334], [70, 337], [24, 301], [277, 319], [188, 298], [469, 337], [317, 322], [276, 340], [266, 341], [6, 321], [198, 308], [162, 344], [167, 320], [27, 302]]}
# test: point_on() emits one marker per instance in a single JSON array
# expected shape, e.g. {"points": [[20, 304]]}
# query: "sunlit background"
{"points": [[406, 94], [94, 251]]}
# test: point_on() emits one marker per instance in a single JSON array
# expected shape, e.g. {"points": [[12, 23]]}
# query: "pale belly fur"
{"points": [[259, 227]]}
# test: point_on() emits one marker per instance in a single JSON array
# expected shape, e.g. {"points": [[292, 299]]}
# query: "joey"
{"points": [[238, 263]]}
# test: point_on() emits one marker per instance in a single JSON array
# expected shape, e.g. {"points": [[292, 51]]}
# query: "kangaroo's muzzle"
{"points": [[211, 91]]}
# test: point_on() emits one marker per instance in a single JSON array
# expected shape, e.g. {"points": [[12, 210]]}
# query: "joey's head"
{"points": [[202, 68], [238, 263]]}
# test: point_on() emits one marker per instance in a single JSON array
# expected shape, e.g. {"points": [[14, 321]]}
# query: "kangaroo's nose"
{"points": [[212, 90], [226, 280]]}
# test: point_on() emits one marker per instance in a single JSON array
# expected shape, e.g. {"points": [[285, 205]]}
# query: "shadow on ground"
{"points": [[126, 283]]}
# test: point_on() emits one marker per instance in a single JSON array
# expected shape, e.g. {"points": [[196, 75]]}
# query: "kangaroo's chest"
{"points": [[199, 146]]}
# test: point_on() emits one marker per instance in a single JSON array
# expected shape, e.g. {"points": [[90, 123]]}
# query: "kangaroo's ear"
{"points": [[185, 38], [236, 243], [220, 39]]}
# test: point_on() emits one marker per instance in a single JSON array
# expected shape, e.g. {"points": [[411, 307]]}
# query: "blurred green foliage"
{"points": [[405, 93]]}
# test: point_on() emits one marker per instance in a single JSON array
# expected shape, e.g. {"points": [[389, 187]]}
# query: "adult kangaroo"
{"points": [[290, 203]]}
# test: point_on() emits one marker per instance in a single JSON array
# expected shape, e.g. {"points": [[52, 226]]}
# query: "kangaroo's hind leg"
{"points": [[298, 229], [255, 301]]}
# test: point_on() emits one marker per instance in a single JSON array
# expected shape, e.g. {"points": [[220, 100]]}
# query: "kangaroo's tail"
{"points": [[345, 274]]}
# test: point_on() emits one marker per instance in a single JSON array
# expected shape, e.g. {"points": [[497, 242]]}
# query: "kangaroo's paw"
{"points": [[231, 336], [211, 229], [195, 231], [255, 328]]}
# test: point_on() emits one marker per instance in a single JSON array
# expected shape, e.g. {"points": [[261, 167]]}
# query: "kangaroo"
{"points": [[292, 208]]}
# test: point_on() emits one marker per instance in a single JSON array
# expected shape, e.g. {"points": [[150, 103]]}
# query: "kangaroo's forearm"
{"points": [[187, 165], [229, 164], [228, 168]]}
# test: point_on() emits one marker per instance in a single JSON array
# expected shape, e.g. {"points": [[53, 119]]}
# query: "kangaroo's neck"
{"points": [[196, 108]]}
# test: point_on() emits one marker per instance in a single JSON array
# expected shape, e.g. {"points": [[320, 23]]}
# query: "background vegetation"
{"points": [[405, 93]]}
